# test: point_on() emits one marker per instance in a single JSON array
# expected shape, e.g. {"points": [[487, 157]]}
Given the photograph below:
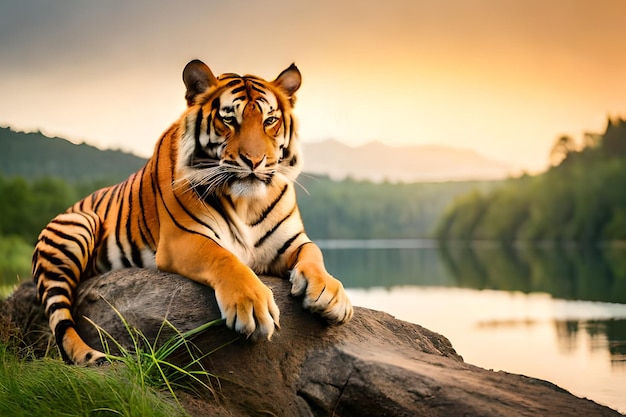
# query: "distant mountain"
{"points": [[33, 155], [376, 161]]}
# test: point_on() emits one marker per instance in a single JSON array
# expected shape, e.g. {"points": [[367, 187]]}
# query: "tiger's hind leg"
{"points": [[63, 256]]}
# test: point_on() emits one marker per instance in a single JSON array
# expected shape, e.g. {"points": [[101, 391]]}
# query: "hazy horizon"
{"points": [[502, 79]]}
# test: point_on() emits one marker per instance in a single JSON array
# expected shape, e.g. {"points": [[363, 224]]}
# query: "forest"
{"points": [[352, 209], [330, 210], [580, 198], [345, 209]]}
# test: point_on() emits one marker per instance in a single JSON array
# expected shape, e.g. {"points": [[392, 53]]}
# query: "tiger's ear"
{"points": [[289, 81], [197, 78]]}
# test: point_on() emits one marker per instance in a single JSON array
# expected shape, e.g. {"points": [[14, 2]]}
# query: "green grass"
{"points": [[142, 381], [15, 261], [49, 387], [151, 363]]}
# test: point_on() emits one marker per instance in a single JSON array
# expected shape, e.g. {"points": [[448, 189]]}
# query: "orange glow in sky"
{"points": [[502, 78]]}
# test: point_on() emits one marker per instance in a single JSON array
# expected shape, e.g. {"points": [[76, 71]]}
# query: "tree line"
{"points": [[43, 176], [33, 155], [355, 209], [347, 209], [580, 198]]}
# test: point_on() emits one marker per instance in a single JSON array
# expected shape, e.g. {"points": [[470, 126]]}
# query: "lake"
{"points": [[556, 313]]}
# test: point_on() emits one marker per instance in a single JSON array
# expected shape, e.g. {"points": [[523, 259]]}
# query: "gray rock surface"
{"points": [[375, 365]]}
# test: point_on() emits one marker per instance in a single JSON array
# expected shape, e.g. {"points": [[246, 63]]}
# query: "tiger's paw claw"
{"points": [[323, 294], [253, 314]]}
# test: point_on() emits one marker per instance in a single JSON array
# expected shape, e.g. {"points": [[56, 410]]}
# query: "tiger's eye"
{"points": [[270, 121]]}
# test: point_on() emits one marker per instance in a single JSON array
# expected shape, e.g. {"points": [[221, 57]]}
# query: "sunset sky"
{"points": [[504, 78]]}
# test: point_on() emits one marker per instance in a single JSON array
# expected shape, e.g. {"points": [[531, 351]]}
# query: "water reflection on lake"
{"points": [[551, 312]]}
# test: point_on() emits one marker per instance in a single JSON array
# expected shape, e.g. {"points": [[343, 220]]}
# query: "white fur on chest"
{"points": [[255, 243]]}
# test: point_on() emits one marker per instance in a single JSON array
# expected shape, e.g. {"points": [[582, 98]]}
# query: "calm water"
{"points": [[554, 313]]}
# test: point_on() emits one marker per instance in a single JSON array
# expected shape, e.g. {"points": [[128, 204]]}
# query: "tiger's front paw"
{"points": [[248, 307], [323, 293]]}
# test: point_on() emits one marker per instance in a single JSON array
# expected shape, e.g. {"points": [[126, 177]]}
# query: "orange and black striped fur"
{"points": [[215, 203]]}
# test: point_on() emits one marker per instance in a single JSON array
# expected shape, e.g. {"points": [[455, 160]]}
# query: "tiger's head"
{"points": [[239, 131]]}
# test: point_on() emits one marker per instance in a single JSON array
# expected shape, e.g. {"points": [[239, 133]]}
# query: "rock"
{"points": [[375, 365]]}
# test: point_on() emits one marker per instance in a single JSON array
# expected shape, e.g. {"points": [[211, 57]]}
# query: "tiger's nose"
{"points": [[251, 161]]}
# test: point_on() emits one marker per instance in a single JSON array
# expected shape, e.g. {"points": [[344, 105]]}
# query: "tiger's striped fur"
{"points": [[215, 203]]}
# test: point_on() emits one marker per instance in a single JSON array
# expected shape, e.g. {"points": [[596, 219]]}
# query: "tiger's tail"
{"points": [[63, 255]]}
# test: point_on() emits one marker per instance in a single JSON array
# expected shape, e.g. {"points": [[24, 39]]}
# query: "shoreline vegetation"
{"points": [[581, 198]]}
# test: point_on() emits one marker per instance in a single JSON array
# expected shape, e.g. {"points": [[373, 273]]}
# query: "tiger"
{"points": [[215, 203]]}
